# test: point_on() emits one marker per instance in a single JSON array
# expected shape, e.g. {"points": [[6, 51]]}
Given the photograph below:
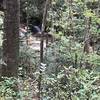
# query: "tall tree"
{"points": [[11, 38], [42, 42]]}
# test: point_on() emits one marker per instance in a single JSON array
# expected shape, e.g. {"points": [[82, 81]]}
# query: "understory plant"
{"points": [[70, 73], [71, 84]]}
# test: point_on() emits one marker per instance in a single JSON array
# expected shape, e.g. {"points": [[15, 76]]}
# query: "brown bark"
{"points": [[43, 29], [88, 44], [42, 45], [11, 38]]}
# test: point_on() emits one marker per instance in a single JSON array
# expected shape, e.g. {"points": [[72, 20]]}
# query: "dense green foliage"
{"points": [[68, 73]]}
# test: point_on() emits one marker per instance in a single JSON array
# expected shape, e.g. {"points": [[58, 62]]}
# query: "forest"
{"points": [[49, 49]]}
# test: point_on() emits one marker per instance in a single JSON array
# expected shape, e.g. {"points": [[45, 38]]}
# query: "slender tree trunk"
{"points": [[88, 45], [11, 38], [43, 29], [42, 44], [70, 18]]}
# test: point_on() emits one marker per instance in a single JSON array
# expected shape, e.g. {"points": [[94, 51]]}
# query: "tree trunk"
{"points": [[42, 44], [11, 38], [88, 44], [43, 29]]}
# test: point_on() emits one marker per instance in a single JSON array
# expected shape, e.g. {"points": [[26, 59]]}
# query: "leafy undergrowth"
{"points": [[18, 89], [66, 84], [72, 84], [65, 76]]}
